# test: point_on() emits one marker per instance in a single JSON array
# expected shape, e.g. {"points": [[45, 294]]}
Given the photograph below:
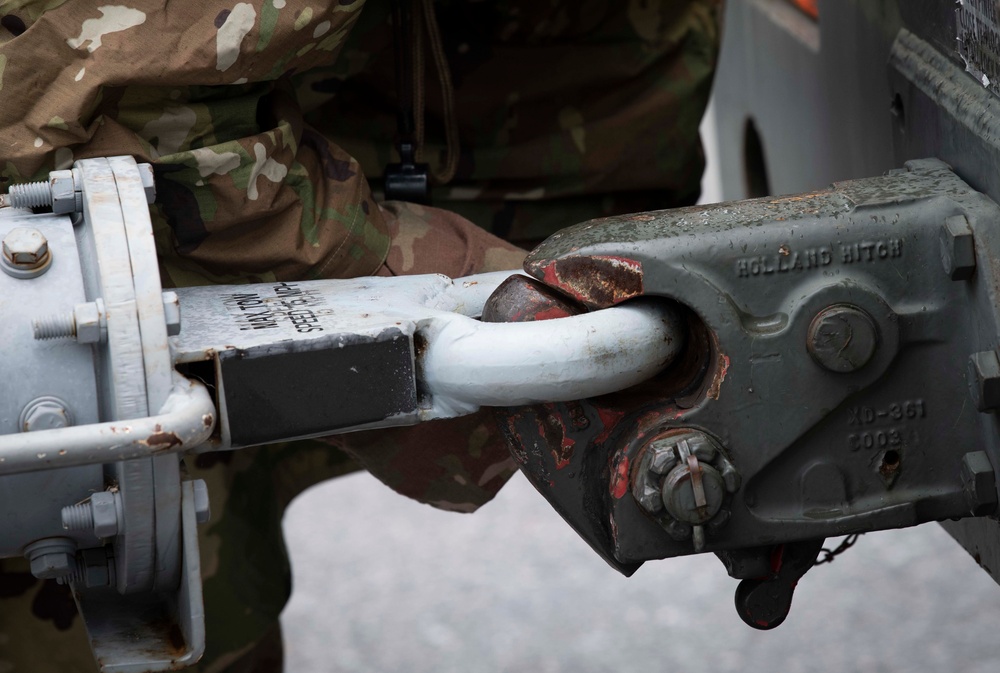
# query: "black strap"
{"points": [[406, 180]]}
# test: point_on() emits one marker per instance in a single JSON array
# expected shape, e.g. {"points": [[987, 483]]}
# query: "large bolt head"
{"points": [[25, 246], [958, 248], [53, 565], [46, 415], [842, 338]]}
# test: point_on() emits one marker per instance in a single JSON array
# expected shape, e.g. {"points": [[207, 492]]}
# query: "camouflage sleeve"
{"points": [[202, 89], [246, 190]]}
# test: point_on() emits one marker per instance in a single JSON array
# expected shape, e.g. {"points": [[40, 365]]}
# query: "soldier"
{"points": [[262, 120]]}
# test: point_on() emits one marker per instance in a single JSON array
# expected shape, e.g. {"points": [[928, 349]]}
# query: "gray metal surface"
{"points": [[401, 350], [42, 371], [822, 452], [824, 108]]}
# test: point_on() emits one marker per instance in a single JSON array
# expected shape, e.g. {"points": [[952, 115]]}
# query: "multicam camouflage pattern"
{"points": [[567, 110], [262, 120]]}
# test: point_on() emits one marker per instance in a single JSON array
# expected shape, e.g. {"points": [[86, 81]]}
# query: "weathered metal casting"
{"points": [[830, 336]]}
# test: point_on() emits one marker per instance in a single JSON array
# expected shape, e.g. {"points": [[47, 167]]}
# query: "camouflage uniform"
{"points": [[262, 120]]}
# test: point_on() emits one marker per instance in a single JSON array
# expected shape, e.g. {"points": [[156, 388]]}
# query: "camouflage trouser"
{"points": [[246, 574]]}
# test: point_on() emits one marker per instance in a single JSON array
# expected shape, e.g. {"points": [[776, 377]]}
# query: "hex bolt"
{"points": [[88, 323], [100, 512], [45, 413], [78, 517], [61, 191], [979, 483], [984, 380], [52, 558], [958, 248], [25, 253], [842, 338], [30, 195], [54, 327]]}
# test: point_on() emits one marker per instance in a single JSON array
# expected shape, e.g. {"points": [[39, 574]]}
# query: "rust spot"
{"points": [[207, 420], [597, 282], [520, 299], [162, 441], [553, 430], [420, 345], [720, 376], [784, 250], [889, 469], [800, 197]]}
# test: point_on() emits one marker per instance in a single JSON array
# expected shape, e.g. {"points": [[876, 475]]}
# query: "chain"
{"points": [[827, 555]]}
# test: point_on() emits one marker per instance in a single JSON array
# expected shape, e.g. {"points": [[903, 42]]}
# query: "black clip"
{"points": [[407, 180]]}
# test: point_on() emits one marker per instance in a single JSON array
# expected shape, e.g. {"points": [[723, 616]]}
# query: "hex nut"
{"points": [[984, 380], [104, 506], [66, 198], [90, 326], [665, 483], [25, 247], [958, 248]]}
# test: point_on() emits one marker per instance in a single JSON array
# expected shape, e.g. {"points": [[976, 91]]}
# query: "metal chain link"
{"points": [[827, 555]]}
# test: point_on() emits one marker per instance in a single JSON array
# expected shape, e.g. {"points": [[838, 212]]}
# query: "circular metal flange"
{"points": [[105, 253], [134, 183]]}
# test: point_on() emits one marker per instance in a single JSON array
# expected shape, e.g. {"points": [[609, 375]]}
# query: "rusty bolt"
{"points": [[25, 247], [842, 338], [684, 481]]}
